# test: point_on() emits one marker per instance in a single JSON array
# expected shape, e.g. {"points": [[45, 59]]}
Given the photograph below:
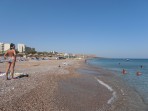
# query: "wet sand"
{"points": [[74, 86]]}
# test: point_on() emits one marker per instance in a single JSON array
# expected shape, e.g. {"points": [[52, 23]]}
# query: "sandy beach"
{"points": [[74, 86]]}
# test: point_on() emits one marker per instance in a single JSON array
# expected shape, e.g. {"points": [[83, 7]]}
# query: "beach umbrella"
{"points": [[49, 55], [21, 54], [29, 55], [35, 54]]}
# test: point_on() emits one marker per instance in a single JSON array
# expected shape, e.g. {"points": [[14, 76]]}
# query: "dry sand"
{"points": [[53, 88]]}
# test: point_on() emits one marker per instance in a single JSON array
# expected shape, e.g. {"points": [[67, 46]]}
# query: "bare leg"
{"points": [[12, 69], [7, 69]]}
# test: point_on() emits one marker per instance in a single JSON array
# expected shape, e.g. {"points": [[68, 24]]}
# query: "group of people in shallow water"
{"points": [[138, 73]]}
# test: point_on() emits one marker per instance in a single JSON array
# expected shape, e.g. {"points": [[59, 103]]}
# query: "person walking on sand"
{"points": [[11, 56]]}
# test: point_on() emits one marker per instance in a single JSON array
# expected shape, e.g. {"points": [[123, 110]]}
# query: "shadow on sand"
{"points": [[22, 75]]}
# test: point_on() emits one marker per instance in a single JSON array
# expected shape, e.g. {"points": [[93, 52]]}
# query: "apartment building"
{"points": [[1, 47], [21, 48], [6, 46]]}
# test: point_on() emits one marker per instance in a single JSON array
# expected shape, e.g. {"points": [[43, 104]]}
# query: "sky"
{"points": [[106, 28]]}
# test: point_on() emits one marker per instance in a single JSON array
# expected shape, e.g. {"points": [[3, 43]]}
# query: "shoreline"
{"points": [[71, 87], [123, 81], [127, 96]]}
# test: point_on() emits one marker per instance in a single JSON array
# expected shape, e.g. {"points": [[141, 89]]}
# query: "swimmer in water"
{"points": [[124, 71], [141, 66]]}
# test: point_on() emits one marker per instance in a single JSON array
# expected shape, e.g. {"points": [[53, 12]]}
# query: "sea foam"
{"points": [[111, 100]]}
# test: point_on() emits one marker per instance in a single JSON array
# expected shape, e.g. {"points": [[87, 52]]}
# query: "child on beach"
{"points": [[11, 56]]}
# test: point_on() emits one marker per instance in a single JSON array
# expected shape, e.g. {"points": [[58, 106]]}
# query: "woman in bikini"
{"points": [[11, 56]]}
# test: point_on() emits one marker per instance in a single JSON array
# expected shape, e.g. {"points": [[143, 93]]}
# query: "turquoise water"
{"points": [[132, 66]]}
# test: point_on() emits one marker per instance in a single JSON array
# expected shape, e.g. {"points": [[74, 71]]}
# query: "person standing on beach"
{"points": [[11, 56]]}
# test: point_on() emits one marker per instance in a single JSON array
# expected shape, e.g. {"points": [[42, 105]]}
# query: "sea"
{"points": [[136, 72]]}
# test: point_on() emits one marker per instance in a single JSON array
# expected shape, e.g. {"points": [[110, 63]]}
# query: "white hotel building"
{"points": [[1, 47], [21, 48], [4, 47]]}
